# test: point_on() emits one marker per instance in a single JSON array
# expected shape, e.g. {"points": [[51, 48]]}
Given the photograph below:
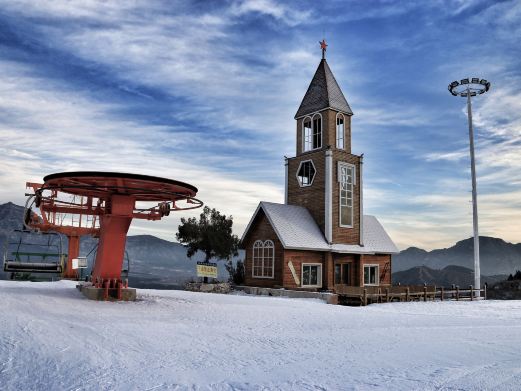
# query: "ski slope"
{"points": [[51, 338]]}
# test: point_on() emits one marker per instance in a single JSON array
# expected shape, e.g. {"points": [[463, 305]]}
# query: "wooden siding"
{"points": [[380, 260], [354, 262], [344, 235], [328, 131], [311, 197], [261, 230], [297, 258]]}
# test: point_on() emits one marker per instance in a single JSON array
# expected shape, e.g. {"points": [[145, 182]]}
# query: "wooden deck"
{"points": [[351, 295]]}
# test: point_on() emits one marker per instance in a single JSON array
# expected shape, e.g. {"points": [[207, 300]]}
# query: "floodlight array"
{"points": [[469, 86]]}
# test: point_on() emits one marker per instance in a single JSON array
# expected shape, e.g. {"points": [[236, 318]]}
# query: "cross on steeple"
{"points": [[323, 46]]}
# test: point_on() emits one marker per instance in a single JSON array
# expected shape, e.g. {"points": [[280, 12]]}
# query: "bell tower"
{"points": [[324, 176]]}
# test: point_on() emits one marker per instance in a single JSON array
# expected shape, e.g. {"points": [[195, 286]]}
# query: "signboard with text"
{"points": [[79, 263], [206, 269]]}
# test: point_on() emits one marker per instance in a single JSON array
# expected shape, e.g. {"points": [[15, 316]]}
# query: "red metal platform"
{"points": [[103, 205]]}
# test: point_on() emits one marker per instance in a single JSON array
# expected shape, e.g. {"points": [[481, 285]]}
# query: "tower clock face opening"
{"points": [[306, 173]]}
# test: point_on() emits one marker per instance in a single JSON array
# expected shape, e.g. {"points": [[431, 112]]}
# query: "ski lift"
{"points": [[124, 271], [34, 252]]}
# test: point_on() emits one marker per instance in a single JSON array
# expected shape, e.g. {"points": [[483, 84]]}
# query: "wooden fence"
{"points": [[374, 294]]}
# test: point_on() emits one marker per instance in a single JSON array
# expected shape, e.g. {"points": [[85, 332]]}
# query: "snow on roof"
{"points": [[376, 240], [295, 226], [297, 229]]}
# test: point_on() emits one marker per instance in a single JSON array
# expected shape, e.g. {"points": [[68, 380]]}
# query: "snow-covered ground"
{"points": [[51, 338]]}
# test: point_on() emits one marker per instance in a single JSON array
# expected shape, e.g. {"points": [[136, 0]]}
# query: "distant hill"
{"points": [[11, 216], [447, 276], [158, 263], [154, 263], [496, 256]]}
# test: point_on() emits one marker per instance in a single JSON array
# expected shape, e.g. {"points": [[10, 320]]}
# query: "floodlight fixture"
{"points": [[468, 88]]}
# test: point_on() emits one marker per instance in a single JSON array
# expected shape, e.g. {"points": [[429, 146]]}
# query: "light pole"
{"points": [[468, 88]]}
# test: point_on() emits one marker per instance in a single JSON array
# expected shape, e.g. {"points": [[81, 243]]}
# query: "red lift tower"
{"points": [[103, 204]]}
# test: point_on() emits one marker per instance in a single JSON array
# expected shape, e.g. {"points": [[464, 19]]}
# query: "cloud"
{"points": [[393, 114], [449, 156], [58, 130], [289, 15], [189, 56], [205, 92], [438, 220]]}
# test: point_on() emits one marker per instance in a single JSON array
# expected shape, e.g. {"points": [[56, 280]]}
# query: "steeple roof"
{"points": [[323, 92]]}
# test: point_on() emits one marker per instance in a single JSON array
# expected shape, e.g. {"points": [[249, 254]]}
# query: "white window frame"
{"points": [[309, 139], [321, 128], [263, 246], [298, 170], [338, 115], [377, 275], [319, 275], [353, 184]]}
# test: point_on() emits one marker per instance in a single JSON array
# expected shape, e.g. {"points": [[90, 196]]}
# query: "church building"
{"points": [[319, 239]]}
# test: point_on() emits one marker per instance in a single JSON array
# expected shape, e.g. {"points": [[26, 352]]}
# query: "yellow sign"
{"points": [[206, 269]]}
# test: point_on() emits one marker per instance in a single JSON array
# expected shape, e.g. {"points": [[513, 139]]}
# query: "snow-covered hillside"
{"points": [[51, 338]]}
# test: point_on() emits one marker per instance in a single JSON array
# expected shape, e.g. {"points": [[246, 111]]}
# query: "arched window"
{"points": [[263, 259], [312, 132], [317, 131], [340, 131], [308, 140]]}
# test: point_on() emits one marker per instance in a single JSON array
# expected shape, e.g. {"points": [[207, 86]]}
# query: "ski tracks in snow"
{"points": [[52, 338]]}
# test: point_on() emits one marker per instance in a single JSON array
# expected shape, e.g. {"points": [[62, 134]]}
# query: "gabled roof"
{"points": [[323, 92], [297, 230], [376, 240], [293, 225]]}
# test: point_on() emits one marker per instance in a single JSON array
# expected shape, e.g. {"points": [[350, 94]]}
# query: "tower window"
{"points": [[312, 133], [308, 140], [340, 131], [317, 131], [306, 173], [346, 175]]}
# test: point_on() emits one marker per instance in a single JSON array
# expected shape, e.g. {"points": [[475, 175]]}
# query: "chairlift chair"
{"points": [[24, 256]]}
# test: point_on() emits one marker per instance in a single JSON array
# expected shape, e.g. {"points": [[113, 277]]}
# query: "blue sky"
{"points": [[206, 92]]}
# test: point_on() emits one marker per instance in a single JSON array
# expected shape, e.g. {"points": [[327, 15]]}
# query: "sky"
{"points": [[206, 92]]}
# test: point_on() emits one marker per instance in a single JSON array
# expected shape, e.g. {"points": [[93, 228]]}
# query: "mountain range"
{"points": [[153, 262], [158, 263], [496, 256], [457, 275]]}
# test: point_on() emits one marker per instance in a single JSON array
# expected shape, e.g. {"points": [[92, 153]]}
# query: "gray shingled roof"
{"points": [[323, 92], [296, 229], [376, 240]]}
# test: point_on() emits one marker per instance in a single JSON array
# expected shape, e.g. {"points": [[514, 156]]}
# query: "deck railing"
{"points": [[386, 294]]}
